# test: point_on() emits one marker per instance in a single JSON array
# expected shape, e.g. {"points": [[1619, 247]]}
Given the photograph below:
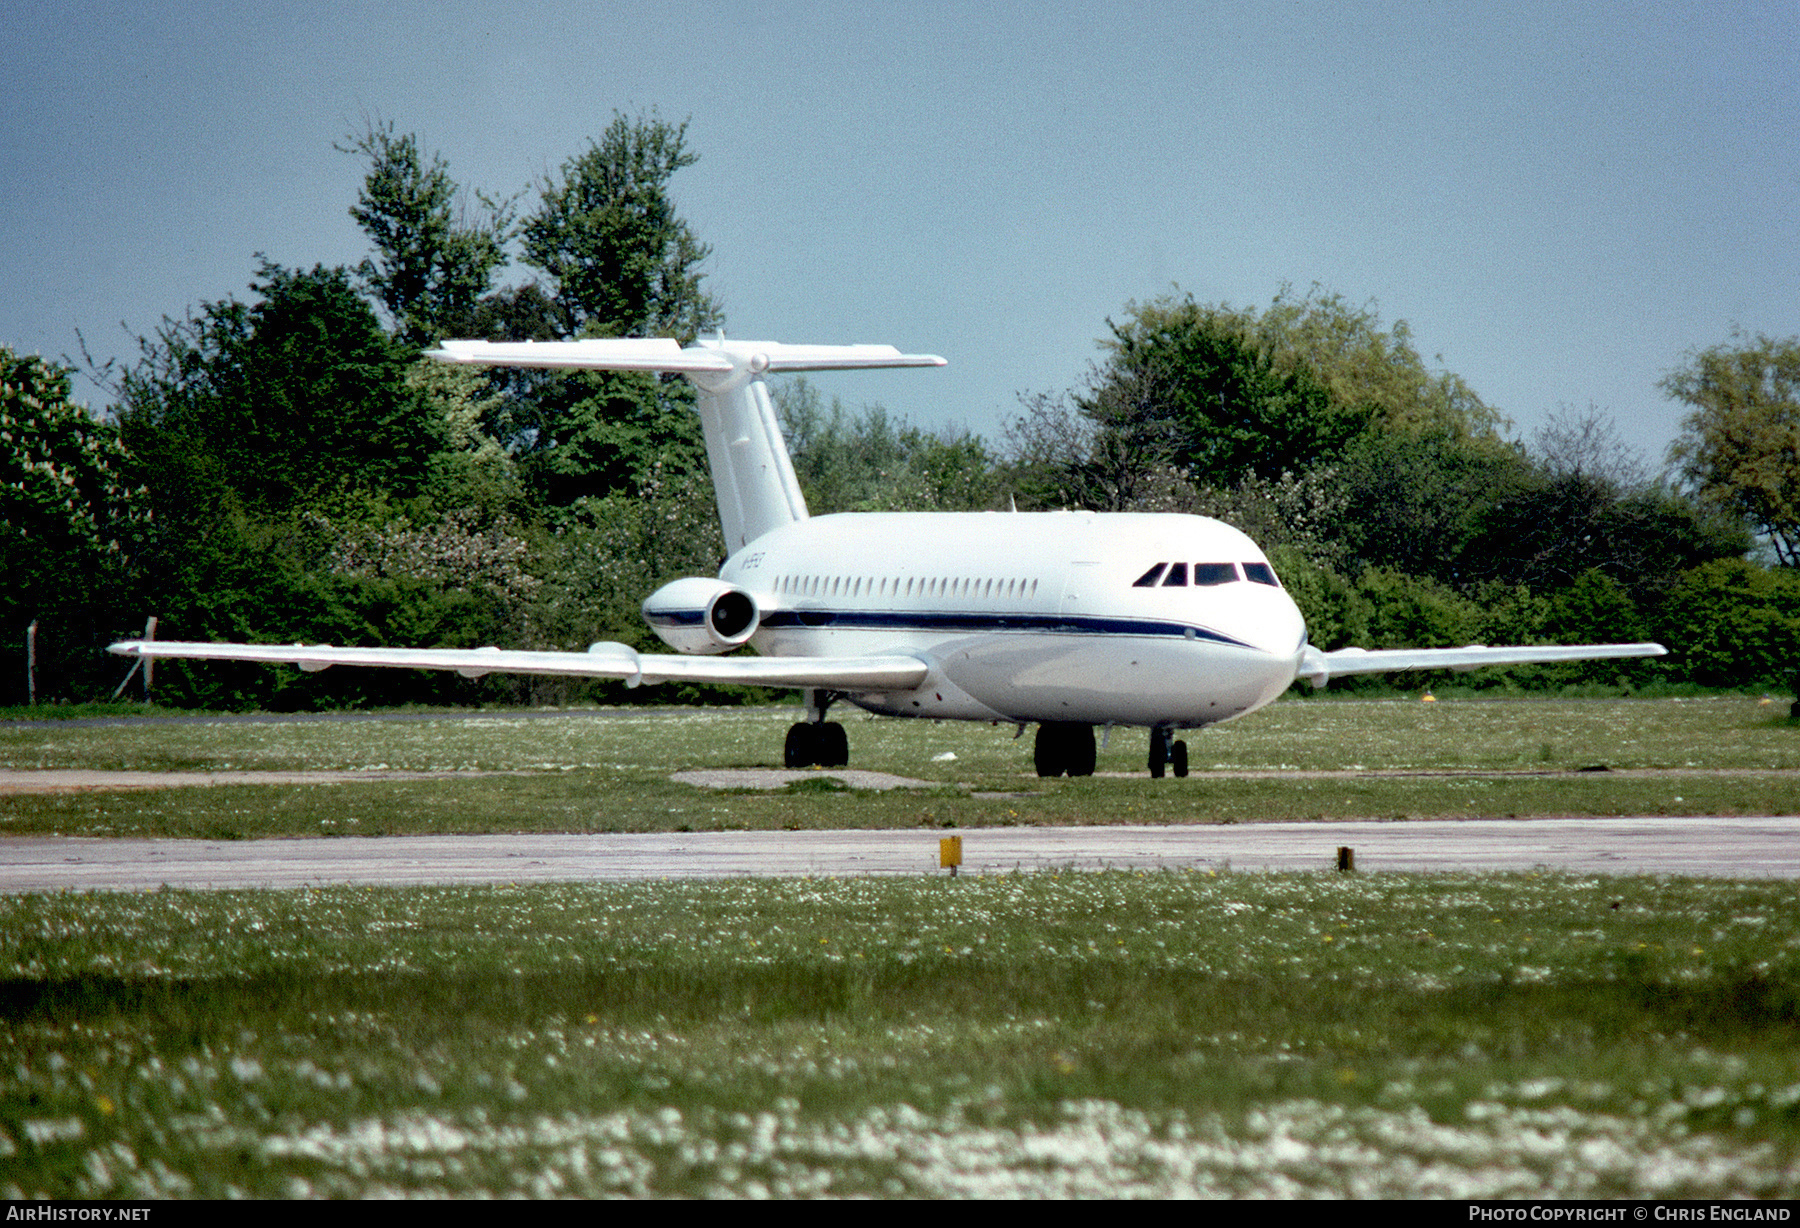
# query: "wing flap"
{"points": [[1319, 668], [603, 660]]}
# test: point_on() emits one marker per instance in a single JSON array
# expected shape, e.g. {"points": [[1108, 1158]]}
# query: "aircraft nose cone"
{"points": [[1268, 620]]}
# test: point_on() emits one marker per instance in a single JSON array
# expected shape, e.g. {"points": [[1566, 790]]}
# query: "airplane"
{"points": [[1066, 619]]}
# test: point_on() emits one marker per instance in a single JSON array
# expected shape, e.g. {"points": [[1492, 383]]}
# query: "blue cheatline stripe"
{"points": [[969, 621]]}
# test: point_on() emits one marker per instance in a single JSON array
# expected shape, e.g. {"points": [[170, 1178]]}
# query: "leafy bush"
{"points": [[1732, 623]]}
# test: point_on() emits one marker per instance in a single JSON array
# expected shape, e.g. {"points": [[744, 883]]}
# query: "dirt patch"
{"points": [[780, 778]]}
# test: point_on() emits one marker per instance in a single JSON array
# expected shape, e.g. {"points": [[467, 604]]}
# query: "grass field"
{"points": [[1108, 1034], [610, 772], [1098, 1034]]}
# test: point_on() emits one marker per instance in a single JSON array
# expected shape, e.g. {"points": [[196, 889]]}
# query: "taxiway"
{"points": [[1708, 847]]}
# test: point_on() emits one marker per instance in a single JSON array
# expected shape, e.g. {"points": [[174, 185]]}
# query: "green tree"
{"points": [[868, 461], [605, 555], [1582, 501], [1412, 500], [263, 429], [1227, 408], [1408, 611], [623, 262], [1362, 364], [592, 433], [1740, 447], [1336, 611], [1044, 450], [1060, 456], [517, 313], [1220, 395], [432, 264], [1733, 623], [69, 515], [64, 489], [293, 395], [1544, 530], [1295, 512], [1594, 608], [473, 468]]}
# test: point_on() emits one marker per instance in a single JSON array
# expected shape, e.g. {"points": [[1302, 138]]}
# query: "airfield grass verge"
{"points": [[1500, 734], [610, 771], [593, 803], [1050, 1034], [83, 711]]}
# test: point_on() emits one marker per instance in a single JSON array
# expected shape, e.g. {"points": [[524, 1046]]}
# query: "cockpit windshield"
{"points": [[1205, 575]]}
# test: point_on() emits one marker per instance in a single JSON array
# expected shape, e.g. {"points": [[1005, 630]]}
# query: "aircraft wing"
{"points": [[1319, 668], [603, 660]]}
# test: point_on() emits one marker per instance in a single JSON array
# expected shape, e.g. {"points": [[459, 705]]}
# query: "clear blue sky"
{"points": [[1560, 199]]}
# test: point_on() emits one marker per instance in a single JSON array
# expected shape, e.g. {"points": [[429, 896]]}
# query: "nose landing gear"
{"points": [[1166, 751]]}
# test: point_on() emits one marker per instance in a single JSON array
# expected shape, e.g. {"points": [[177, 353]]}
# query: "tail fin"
{"points": [[752, 475]]}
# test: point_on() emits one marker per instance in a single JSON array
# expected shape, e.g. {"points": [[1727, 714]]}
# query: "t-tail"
{"points": [[753, 477]]}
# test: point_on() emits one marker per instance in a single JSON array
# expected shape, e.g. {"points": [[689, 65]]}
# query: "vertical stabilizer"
{"points": [[753, 478]]}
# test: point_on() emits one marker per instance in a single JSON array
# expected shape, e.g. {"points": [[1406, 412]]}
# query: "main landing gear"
{"points": [[820, 745], [1167, 752], [1064, 748], [816, 742]]}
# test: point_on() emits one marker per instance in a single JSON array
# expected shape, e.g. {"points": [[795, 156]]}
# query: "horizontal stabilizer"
{"points": [[604, 660], [612, 354], [753, 477], [832, 357], [664, 354], [1319, 668]]}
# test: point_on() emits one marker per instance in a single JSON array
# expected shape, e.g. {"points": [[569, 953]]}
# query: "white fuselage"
{"points": [[1033, 616]]}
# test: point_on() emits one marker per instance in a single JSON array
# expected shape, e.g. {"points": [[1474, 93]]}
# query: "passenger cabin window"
{"points": [[1208, 574], [1261, 573]]}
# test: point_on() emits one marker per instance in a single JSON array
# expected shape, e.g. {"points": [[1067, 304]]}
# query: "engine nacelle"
{"points": [[702, 615]]}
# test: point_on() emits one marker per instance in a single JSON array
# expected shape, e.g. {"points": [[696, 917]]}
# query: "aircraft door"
{"points": [[1080, 587]]}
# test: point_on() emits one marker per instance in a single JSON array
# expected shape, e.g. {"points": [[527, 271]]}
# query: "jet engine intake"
{"points": [[699, 614]]}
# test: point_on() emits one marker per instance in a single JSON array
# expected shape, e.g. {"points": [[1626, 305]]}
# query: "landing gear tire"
{"points": [[801, 750], [1167, 753], [1063, 747], [1081, 750], [834, 745], [810, 745]]}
